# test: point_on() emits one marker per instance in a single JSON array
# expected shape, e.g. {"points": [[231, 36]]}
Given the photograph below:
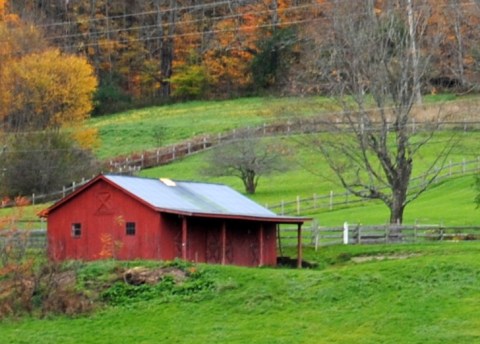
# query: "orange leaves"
{"points": [[110, 247], [2, 9], [5, 16], [107, 250]]}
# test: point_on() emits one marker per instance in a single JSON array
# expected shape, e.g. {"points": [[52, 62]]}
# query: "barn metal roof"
{"points": [[194, 197]]}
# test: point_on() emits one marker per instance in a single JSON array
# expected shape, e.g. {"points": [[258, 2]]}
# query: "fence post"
{"points": [[142, 160], [63, 192], [204, 142], [33, 199], [189, 147], [359, 234], [158, 156], [314, 201], [316, 233], [331, 200], [345, 233], [415, 226]]}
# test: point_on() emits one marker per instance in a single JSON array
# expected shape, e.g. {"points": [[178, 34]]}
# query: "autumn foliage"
{"points": [[46, 90], [153, 51]]}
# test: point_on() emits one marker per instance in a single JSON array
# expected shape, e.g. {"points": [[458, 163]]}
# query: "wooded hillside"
{"points": [[157, 51]]}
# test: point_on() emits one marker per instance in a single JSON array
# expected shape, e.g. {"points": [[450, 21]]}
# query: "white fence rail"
{"points": [[384, 234], [338, 199]]}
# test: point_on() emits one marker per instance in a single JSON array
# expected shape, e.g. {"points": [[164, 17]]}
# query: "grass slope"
{"points": [[449, 202], [133, 131], [420, 294]]}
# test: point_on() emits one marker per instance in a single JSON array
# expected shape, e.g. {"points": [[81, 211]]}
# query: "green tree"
{"points": [[189, 82], [42, 162], [273, 58]]}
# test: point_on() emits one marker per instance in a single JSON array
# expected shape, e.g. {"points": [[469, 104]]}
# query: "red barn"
{"points": [[129, 217]]}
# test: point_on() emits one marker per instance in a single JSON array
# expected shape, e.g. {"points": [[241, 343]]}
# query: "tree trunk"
{"points": [[396, 212], [250, 184]]}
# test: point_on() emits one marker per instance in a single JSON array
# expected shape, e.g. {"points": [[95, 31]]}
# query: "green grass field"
{"points": [[419, 293], [399, 294]]}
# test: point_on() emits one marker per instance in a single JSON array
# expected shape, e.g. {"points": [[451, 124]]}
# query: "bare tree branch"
{"points": [[376, 64]]}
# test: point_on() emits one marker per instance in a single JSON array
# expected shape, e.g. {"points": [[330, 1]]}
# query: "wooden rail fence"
{"points": [[316, 236]]}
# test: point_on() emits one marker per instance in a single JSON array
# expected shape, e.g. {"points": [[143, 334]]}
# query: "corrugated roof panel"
{"points": [[192, 197]]}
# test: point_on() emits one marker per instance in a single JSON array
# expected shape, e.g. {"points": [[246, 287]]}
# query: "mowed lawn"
{"points": [[425, 293]]}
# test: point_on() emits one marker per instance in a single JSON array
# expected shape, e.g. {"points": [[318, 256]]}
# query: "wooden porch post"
{"points": [[299, 247], [260, 240], [224, 243], [184, 238]]}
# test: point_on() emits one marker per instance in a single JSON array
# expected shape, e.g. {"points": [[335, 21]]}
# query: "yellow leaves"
{"points": [[87, 138], [46, 90]]}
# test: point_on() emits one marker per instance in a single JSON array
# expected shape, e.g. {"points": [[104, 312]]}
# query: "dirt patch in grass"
{"points": [[363, 259]]}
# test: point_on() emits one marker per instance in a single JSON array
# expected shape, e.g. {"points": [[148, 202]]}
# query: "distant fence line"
{"points": [[316, 236], [165, 155], [305, 205]]}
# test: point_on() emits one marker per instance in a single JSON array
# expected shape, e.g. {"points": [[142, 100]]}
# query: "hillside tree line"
{"points": [[157, 51]]}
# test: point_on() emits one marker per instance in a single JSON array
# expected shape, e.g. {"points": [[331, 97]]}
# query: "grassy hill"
{"points": [[309, 176], [421, 293], [135, 131], [357, 294]]}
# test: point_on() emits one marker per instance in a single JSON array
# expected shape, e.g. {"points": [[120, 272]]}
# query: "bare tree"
{"points": [[375, 75], [246, 157]]}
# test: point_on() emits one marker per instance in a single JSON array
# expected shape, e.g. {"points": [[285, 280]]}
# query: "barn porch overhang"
{"points": [[299, 221]]}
